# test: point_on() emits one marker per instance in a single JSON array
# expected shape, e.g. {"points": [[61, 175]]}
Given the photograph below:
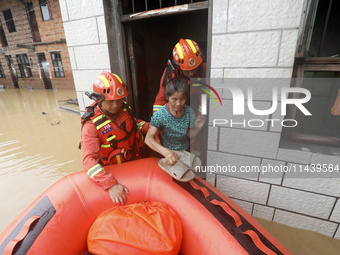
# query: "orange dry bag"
{"points": [[141, 228]]}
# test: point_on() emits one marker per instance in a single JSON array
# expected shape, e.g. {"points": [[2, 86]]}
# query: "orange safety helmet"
{"points": [[111, 86], [187, 54]]}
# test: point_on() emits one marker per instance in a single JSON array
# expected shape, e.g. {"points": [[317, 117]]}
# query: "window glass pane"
{"points": [[323, 93], [45, 13]]}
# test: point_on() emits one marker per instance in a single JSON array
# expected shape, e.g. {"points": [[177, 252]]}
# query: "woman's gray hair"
{"points": [[177, 84]]}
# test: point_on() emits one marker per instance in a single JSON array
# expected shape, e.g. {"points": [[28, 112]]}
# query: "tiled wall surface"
{"points": [[257, 39], [87, 43]]}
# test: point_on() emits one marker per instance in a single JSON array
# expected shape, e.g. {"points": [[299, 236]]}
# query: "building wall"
{"points": [[86, 36], [50, 30], [257, 39]]}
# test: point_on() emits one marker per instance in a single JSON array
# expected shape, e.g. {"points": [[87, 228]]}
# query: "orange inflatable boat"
{"points": [[58, 221]]}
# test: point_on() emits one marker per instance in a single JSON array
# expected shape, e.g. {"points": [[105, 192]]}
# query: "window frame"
{"points": [[9, 21], [41, 2], [303, 63], [23, 65], [57, 67], [2, 72]]}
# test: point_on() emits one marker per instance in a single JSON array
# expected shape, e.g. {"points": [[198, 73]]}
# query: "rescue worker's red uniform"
{"points": [[106, 142]]}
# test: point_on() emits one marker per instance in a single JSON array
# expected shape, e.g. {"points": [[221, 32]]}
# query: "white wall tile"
{"points": [[327, 186], [258, 73], [220, 16], [93, 56], [264, 14], [102, 29], [242, 189], [84, 79], [234, 50], [72, 58], [301, 202], [336, 212], [299, 221], [84, 9], [63, 9], [230, 161], [81, 32], [248, 207], [325, 159], [263, 212], [212, 139], [287, 49], [248, 142], [271, 172], [296, 156]]}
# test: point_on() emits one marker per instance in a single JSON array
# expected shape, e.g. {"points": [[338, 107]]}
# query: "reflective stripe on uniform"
{"points": [[140, 125], [103, 124], [118, 159], [104, 80], [105, 145], [97, 118], [94, 170], [179, 50], [111, 138], [157, 107], [191, 45]]}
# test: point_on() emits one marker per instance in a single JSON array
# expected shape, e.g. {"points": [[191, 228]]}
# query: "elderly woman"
{"points": [[177, 121]]}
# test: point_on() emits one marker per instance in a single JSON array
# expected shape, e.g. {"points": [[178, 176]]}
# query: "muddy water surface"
{"points": [[38, 146]]}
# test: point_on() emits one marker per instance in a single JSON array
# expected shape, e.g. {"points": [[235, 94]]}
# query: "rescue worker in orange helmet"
{"points": [[110, 133], [187, 63]]}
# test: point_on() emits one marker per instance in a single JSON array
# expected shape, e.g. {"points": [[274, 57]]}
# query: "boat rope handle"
{"points": [[252, 234], [259, 244], [197, 187], [229, 211], [21, 235]]}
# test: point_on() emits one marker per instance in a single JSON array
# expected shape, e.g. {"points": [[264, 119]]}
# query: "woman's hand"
{"points": [[200, 120], [171, 157], [117, 194]]}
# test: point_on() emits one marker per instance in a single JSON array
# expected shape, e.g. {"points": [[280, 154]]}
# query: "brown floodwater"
{"points": [[39, 146]]}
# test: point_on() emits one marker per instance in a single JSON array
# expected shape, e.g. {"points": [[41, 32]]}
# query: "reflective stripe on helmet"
{"points": [[179, 50], [94, 170], [104, 80], [119, 79], [191, 45]]}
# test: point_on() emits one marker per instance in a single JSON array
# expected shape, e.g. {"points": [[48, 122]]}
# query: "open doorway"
{"points": [[149, 44]]}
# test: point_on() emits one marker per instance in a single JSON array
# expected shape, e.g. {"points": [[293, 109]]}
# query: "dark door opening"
{"points": [[13, 72], [44, 71], [150, 43]]}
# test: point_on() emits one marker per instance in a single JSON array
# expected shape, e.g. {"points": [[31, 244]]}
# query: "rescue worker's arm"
{"points": [[170, 156], [90, 151], [142, 126], [199, 123], [160, 99], [90, 156]]}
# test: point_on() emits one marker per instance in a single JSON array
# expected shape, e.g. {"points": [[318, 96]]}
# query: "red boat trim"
{"points": [[36, 220], [227, 220]]}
